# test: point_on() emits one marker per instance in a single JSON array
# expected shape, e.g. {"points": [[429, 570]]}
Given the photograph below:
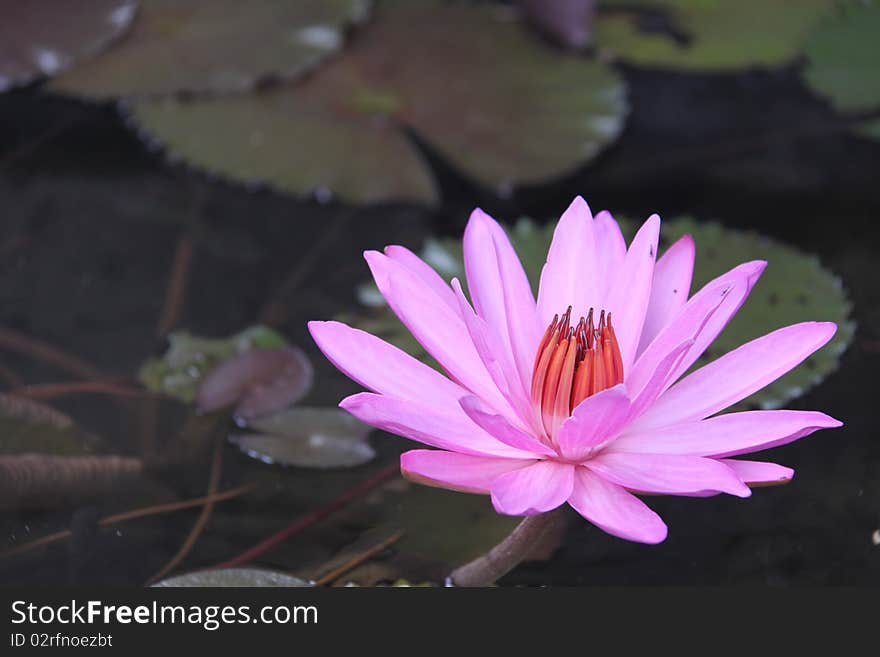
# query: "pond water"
{"points": [[99, 237]]}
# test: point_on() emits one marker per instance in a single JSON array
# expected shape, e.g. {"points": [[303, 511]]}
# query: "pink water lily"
{"points": [[577, 397]]}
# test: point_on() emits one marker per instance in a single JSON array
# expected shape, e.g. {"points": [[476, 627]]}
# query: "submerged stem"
{"points": [[509, 553]]}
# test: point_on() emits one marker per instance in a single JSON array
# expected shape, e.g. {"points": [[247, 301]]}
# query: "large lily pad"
{"points": [[233, 578], [843, 57], [190, 358], [794, 288], [308, 437], [45, 37], [708, 35], [500, 104], [215, 46]]}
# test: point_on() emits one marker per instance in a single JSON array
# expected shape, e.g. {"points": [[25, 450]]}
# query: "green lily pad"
{"points": [[233, 578], [309, 438], [870, 129], [45, 37], [342, 130], [794, 288], [189, 358], [28, 426], [843, 57], [707, 35], [215, 46]]}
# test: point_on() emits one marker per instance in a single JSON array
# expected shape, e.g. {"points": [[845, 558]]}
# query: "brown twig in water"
{"points": [[175, 293], [201, 521], [358, 559], [142, 512], [312, 517], [65, 388], [32, 145], [43, 351], [277, 308]]}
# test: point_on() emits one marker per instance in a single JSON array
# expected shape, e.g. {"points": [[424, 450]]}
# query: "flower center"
{"points": [[573, 363]]}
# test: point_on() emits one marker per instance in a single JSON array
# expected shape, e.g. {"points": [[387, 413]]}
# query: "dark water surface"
{"points": [[90, 221]]}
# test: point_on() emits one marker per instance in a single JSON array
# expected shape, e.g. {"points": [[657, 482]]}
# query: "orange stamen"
{"points": [[573, 363]]}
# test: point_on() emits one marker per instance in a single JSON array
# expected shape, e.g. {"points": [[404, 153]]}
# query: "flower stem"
{"points": [[509, 553]]}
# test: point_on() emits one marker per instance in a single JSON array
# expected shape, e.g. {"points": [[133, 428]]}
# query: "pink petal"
{"points": [[436, 326], [729, 307], [498, 427], [670, 289], [667, 473], [501, 292], [570, 276], [537, 488], [760, 473], [658, 380], [614, 510], [696, 321], [610, 250], [628, 299], [461, 472], [424, 271], [496, 358], [595, 419], [381, 367], [736, 375], [727, 435], [429, 424]]}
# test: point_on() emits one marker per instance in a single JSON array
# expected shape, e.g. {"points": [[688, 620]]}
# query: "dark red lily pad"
{"points": [[45, 37], [257, 382]]}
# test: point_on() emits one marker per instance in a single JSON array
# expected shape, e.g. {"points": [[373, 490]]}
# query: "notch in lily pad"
{"points": [[256, 382], [706, 35]]}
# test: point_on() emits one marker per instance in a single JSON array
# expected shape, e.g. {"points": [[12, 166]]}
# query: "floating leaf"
{"points": [[794, 288], [215, 46], [189, 358], [234, 578], [450, 73], [258, 381], [308, 438], [706, 34], [44, 37], [843, 57]]}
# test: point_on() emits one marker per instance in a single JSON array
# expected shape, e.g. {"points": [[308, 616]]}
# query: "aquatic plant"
{"points": [[589, 410]]}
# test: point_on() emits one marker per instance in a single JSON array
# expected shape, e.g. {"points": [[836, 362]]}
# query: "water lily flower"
{"points": [[580, 396]]}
